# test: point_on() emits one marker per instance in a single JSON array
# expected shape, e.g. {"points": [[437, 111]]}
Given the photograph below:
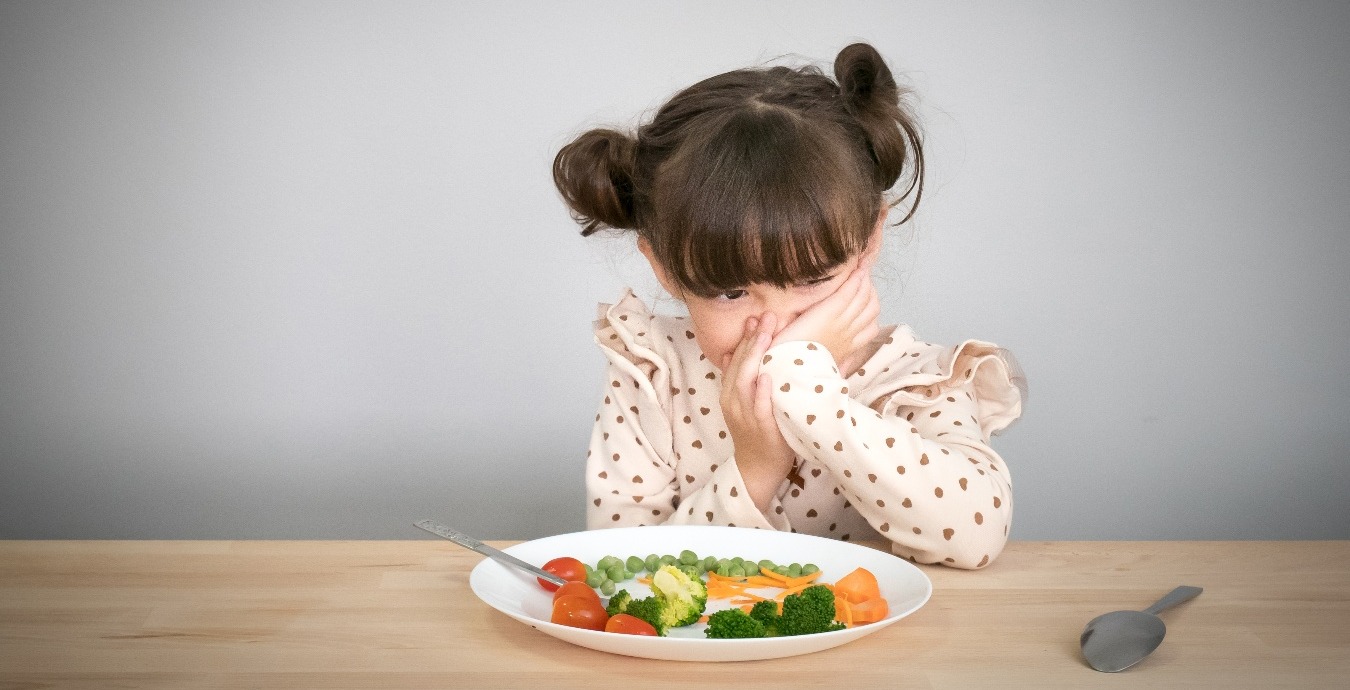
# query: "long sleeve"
{"points": [[659, 451], [916, 465]]}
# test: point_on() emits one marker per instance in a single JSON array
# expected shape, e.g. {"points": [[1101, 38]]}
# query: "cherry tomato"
{"points": [[629, 625], [567, 568], [579, 611], [580, 589]]}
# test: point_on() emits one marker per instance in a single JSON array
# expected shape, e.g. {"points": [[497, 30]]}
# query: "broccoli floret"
{"points": [[766, 612], [619, 602], [808, 611], [651, 609], [733, 624], [685, 597]]}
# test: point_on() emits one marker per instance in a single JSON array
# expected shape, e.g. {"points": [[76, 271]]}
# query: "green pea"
{"points": [[795, 570], [606, 562], [652, 564], [736, 571], [781, 570], [608, 587], [688, 557], [709, 563], [724, 569], [668, 560], [810, 568], [615, 573], [737, 560], [634, 564], [595, 579], [767, 564], [750, 568]]}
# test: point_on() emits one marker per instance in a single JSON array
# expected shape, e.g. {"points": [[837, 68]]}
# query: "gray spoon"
{"points": [[1118, 640]]}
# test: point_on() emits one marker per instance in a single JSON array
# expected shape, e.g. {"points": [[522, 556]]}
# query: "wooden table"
{"points": [[372, 614]]}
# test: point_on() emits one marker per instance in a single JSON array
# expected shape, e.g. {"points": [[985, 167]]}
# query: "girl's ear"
{"points": [[661, 276]]}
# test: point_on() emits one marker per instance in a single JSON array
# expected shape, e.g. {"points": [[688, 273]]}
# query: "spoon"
{"points": [[1118, 640]]}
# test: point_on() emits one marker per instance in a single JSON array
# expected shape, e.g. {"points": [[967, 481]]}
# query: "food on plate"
{"points": [[676, 600], [807, 612], [579, 611], [629, 625], [679, 596], [565, 567]]}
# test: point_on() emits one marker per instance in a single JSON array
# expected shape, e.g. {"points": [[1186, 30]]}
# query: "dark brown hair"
{"points": [[764, 175]]}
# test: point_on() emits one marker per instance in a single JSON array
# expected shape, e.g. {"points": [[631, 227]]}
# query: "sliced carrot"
{"points": [[858, 586], [868, 610]]}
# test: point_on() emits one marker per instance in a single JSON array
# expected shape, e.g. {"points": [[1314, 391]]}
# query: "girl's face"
{"points": [[719, 322]]}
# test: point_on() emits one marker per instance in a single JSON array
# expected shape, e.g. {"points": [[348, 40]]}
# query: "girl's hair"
{"points": [[769, 175]]}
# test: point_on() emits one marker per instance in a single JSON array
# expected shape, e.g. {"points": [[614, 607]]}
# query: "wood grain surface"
{"points": [[400, 614]]}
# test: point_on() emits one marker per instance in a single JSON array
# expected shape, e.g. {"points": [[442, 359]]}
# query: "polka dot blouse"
{"points": [[900, 449]]}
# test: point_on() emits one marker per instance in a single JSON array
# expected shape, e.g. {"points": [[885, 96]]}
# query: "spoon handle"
{"points": [[1176, 596]]}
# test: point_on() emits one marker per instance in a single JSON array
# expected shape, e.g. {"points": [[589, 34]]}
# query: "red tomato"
{"points": [[580, 589], [579, 611], [629, 625], [567, 568]]}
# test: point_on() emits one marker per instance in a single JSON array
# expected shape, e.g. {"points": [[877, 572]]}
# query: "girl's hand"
{"points": [[844, 322], [762, 455]]}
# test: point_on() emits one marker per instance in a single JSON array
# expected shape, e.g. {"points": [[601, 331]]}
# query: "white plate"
{"points": [[519, 596]]}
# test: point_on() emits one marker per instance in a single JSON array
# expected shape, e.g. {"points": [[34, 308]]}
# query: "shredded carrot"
{"points": [[761, 581], [843, 611], [785, 581]]}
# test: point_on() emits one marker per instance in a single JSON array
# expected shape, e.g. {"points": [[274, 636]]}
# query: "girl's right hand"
{"points": [[763, 457]]}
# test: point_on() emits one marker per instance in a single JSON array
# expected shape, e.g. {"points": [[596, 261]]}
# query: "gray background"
{"points": [[297, 270]]}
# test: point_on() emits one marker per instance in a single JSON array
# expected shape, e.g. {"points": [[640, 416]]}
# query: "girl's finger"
{"points": [[743, 369], [764, 401]]}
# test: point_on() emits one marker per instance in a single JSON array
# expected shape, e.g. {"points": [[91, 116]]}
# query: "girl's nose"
{"points": [[785, 312]]}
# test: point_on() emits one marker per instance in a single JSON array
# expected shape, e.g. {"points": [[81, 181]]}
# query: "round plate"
{"points": [[519, 596]]}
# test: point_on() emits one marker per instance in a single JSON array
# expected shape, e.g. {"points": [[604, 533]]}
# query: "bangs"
{"points": [[761, 199]]}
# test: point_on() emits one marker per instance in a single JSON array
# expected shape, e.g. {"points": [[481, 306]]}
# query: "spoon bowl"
{"points": [[1118, 640]]}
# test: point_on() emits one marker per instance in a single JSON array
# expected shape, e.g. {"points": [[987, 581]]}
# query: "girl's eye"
{"points": [[817, 281], [729, 295]]}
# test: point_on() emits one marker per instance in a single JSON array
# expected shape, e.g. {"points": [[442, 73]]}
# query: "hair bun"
{"points": [[864, 78], [870, 94], [594, 174]]}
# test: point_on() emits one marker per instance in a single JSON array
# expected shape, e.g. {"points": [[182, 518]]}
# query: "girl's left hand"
{"points": [[844, 322]]}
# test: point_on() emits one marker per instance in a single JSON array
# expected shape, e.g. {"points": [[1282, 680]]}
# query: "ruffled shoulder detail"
{"points": [[638, 341], [909, 372]]}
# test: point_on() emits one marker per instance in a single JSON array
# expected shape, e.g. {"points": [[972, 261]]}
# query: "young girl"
{"points": [[758, 197]]}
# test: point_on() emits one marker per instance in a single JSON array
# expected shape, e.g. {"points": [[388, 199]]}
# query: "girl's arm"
{"points": [[635, 475], [922, 473]]}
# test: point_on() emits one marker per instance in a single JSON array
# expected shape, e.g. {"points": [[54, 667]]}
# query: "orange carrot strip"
{"points": [[712, 575], [785, 581], [761, 581], [843, 611]]}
